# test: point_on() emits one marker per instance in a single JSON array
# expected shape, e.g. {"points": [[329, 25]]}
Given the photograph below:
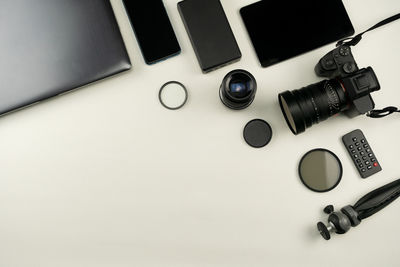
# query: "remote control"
{"points": [[361, 153]]}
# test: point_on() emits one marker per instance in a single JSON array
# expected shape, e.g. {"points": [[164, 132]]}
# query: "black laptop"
{"points": [[48, 47]]}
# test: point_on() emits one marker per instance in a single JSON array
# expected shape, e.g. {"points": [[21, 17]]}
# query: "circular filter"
{"points": [[173, 95], [257, 133], [320, 170]]}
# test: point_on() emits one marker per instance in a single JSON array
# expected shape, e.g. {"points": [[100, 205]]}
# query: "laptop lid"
{"points": [[49, 47]]}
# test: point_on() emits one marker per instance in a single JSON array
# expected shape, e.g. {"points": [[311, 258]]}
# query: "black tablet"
{"points": [[282, 29]]}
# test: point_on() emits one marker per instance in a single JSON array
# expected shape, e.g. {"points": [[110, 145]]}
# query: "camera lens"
{"points": [[312, 104], [238, 89]]}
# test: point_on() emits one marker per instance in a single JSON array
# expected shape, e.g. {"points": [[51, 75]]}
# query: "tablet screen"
{"points": [[282, 29]]}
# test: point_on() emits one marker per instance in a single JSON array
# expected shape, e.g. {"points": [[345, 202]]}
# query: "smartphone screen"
{"points": [[153, 29], [282, 29]]}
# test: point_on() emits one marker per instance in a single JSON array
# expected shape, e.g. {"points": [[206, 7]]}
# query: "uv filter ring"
{"points": [[162, 101]]}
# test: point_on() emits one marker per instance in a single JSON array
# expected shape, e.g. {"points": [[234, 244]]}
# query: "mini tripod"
{"points": [[341, 222]]}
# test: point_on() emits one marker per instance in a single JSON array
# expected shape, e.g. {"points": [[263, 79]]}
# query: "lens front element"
{"points": [[240, 86]]}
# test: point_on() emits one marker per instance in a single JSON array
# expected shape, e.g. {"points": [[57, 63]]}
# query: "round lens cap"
{"points": [[320, 170], [257, 133]]}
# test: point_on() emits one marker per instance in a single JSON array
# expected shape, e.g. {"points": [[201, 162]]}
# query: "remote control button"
{"points": [[351, 146], [367, 163], [360, 165], [355, 156], [358, 161], [364, 158], [362, 153], [369, 167], [363, 141], [357, 144], [370, 155], [376, 164], [365, 146], [368, 150], [354, 139], [353, 151], [359, 148], [363, 170], [373, 159]]}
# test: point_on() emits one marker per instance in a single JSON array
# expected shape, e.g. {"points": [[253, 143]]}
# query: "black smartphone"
{"points": [[281, 29], [153, 29], [210, 33]]}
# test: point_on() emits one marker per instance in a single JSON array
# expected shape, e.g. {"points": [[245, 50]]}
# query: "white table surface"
{"points": [[105, 176]]}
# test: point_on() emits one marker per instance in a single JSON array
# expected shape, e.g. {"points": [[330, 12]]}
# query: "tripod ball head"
{"points": [[338, 223], [350, 216]]}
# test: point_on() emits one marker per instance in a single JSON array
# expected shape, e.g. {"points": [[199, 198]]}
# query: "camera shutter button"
{"points": [[349, 67]]}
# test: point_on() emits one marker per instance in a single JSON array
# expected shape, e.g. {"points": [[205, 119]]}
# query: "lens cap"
{"points": [[320, 170], [173, 95], [257, 133]]}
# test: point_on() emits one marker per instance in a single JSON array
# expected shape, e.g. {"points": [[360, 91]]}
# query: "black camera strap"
{"points": [[380, 113], [353, 41], [356, 39]]}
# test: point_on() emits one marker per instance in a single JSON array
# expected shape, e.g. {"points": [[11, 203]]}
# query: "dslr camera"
{"points": [[348, 89]]}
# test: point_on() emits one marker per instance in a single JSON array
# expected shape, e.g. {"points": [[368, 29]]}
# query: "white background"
{"points": [[105, 176]]}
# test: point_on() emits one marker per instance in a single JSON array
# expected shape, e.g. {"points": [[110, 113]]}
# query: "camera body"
{"points": [[358, 84], [348, 89]]}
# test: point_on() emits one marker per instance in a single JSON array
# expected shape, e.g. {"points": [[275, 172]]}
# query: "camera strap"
{"points": [[352, 41], [380, 113]]}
